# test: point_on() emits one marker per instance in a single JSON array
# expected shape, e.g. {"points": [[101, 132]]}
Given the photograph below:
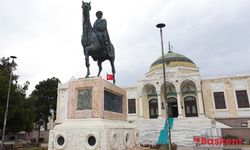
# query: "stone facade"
{"points": [[185, 81], [176, 78], [228, 85]]}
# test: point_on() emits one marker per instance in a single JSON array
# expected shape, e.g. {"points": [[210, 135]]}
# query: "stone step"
{"points": [[184, 129]]}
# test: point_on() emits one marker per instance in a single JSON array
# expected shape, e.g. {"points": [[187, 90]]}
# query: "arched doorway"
{"points": [[153, 108], [170, 95], [172, 107], [190, 106]]}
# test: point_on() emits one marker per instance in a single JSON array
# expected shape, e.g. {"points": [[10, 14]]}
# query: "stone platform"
{"points": [[93, 134], [92, 115]]}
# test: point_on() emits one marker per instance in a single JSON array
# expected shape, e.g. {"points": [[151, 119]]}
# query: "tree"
{"points": [[20, 114], [45, 96]]}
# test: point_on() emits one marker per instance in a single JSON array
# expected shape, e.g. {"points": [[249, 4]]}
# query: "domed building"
{"points": [[183, 89], [200, 107], [172, 59]]}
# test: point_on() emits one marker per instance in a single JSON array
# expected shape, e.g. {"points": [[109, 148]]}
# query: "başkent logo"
{"points": [[217, 141]]}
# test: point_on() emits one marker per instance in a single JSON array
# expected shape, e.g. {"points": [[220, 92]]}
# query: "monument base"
{"points": [[92, 115], [93, 134]]}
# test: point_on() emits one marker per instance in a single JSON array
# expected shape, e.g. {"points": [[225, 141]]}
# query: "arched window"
{"points": [[151, 92], [170, 91], [188, 89]]}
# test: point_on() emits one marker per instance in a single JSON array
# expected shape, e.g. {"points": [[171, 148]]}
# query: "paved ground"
{"points": [[141, 148], [196, 148], [212, 148]]}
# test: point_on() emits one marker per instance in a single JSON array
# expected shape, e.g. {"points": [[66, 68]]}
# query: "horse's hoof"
{"points": [[87, 76]]}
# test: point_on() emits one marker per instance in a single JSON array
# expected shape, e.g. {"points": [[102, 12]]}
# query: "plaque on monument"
{"points": [[84, 99], [112, 102]]}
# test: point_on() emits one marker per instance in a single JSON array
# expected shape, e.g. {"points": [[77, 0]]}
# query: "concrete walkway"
{"points": [[196, 148], [211, 148]]}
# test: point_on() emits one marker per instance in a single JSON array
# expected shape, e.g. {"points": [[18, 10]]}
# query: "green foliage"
{"points": [[20, 112], [45, 96], [230, 137]]}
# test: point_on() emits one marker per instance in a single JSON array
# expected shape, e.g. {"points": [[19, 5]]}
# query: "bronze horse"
{"points": [[92, 45]]}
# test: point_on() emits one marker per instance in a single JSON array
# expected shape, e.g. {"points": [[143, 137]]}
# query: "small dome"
{"points": [[173, 59]]}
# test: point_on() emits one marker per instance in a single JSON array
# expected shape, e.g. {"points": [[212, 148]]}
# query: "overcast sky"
{"points": [[45, 35]]}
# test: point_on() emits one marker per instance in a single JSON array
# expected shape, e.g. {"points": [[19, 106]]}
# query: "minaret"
{"points": [[169, 48]]}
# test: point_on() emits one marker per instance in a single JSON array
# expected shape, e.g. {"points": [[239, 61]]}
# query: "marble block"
{"points": [[107, 101], [93, 134]]}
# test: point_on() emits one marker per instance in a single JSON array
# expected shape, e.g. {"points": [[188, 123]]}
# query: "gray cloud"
{"points": [[45, 36]]}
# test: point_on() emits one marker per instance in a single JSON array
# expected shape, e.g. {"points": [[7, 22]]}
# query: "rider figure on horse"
{"points": [[100, 28]]}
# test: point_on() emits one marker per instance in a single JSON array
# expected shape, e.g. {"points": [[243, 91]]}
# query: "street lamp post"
{"points": [[160, 26], [7, 105]]}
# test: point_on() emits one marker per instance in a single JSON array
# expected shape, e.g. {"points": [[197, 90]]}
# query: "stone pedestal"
{"points": [[92, 115]]}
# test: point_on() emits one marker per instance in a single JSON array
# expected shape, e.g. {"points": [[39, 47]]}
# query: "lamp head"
{"points": [[13, 57], [160, 25]]}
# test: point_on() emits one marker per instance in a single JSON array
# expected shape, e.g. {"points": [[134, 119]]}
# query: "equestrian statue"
{"points": [[95, 40]]}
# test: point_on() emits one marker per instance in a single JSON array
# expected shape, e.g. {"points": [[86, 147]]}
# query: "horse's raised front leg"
{"points": [[113, 69], [87, 64], [99, 63]]}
